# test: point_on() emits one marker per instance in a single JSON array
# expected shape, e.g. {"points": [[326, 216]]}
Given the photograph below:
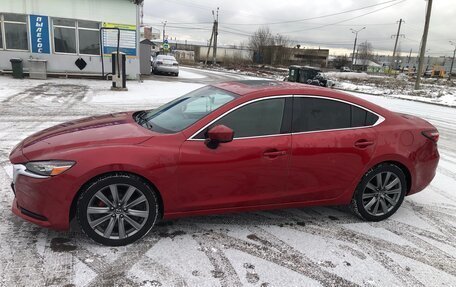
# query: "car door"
{"points": [[250, 170], [332, 142]]}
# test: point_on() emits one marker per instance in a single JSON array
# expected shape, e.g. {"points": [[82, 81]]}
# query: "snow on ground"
{"points": [[186, 74], [318, 246], [436, 91], [147, 93]]}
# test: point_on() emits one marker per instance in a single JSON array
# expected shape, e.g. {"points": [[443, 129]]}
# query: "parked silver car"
{"points": [[163, 64]]}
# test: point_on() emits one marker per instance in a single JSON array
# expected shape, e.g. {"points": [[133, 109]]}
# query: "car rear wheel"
{"points": [[380, 192], [117, 209]]}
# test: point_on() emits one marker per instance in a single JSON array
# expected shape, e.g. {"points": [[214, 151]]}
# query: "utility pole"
{"points": [[164, 28], [214, 55], [354, 45], [452, 61], [395, 43], [423, 44], [209, 46], [356, 57]]}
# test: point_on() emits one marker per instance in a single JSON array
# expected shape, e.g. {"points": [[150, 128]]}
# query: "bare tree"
{"points": [[282, 51], [269, 49], [341, 61], [259, 43], [365, 54]]}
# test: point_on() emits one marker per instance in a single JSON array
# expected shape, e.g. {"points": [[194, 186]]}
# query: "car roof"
{"points": [[260, 88], [246, 87]]}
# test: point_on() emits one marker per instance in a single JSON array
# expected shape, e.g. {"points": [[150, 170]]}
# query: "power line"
{"points": [[279, 22], [346, 20], [313, 18]]}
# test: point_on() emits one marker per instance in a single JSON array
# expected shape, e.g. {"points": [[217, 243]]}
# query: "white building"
{"points": [[64, 32]]}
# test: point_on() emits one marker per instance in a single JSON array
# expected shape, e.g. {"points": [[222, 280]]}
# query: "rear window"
{"points": [[164, 57]]}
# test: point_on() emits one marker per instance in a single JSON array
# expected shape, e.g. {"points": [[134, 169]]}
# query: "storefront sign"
{"points": [[39, 30], [127, 41]]}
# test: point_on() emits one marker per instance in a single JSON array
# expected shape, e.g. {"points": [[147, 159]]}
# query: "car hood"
{"points": [[111, 129]]}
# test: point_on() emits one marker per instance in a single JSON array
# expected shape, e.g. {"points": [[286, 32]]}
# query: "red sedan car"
{"points": [[237, 146]]}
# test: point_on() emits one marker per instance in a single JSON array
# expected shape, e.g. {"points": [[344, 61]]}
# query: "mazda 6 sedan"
{"points": [[230, 147]]}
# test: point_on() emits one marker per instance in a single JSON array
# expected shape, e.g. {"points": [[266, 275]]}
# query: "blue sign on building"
{"points": [[39, 30]]}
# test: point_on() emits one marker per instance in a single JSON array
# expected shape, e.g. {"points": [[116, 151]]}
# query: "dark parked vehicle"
{"points": [[308, 75]]}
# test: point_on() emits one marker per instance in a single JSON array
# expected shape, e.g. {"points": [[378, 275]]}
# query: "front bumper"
{"points": [[41, 200]]}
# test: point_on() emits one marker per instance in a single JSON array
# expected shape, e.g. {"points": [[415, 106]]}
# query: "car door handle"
{"points": [[274, 153], [363, 143]]}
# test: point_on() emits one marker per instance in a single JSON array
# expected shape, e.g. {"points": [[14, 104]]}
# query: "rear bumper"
{"points": [[167, 69], [426, 167]]}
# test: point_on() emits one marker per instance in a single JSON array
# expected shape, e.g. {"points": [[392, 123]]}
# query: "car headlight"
{"points": [[49, 168]]}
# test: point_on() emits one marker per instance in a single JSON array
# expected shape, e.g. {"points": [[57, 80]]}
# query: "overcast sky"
{"points": [[191, 20]]}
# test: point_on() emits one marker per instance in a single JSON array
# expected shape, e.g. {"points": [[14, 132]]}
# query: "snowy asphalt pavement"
{"points": [[324, 246]]}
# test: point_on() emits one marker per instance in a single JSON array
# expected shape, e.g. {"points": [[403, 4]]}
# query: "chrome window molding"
{"points": [[379, 121]]}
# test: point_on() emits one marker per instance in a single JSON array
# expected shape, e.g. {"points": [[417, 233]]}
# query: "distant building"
{"points": [[406, 62], [279, 55], [64, 31]]}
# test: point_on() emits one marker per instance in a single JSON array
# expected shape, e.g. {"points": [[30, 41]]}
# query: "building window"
{"points": [[76, 37], [89, 37], [13, 32], [64, 36]]}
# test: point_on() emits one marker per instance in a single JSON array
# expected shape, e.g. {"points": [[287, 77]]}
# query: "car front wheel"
{"points": [[117, 209], [380, 192]]}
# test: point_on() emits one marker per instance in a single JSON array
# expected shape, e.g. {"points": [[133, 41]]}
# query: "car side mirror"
{"points": [[217, 135]]}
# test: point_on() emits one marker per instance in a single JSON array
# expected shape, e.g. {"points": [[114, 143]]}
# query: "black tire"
{"points": [[176, 74], [142, 192], [365, 195]]}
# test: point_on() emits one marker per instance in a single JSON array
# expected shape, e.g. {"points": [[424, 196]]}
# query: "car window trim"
{"points": [[379, 120], [191, 138]]}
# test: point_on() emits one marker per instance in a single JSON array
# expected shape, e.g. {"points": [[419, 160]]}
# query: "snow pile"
{"points": [[432, 90], [347, 75]]}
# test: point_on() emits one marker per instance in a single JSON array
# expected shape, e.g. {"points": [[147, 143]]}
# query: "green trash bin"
{"points": [[17, 67], [293, 73]]}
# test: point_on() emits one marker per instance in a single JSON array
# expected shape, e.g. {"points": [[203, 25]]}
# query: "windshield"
{"points": [[182, 112]]}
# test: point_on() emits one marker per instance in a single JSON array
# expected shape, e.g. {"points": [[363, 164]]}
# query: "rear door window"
{"points": [[316, 114]]}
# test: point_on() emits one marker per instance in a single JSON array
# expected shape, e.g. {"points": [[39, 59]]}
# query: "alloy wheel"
{"points": [[382, 193], [117, 211]]}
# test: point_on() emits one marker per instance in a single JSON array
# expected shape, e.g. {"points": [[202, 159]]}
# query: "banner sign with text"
{"points": [[39, 30], [127, 41]]}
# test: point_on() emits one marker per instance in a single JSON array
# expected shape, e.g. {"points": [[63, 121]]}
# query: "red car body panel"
{"points": [[289, 170]]}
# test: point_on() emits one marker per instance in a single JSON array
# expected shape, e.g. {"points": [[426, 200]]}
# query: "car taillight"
{"points": [[159, 63], [433, 135]]}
